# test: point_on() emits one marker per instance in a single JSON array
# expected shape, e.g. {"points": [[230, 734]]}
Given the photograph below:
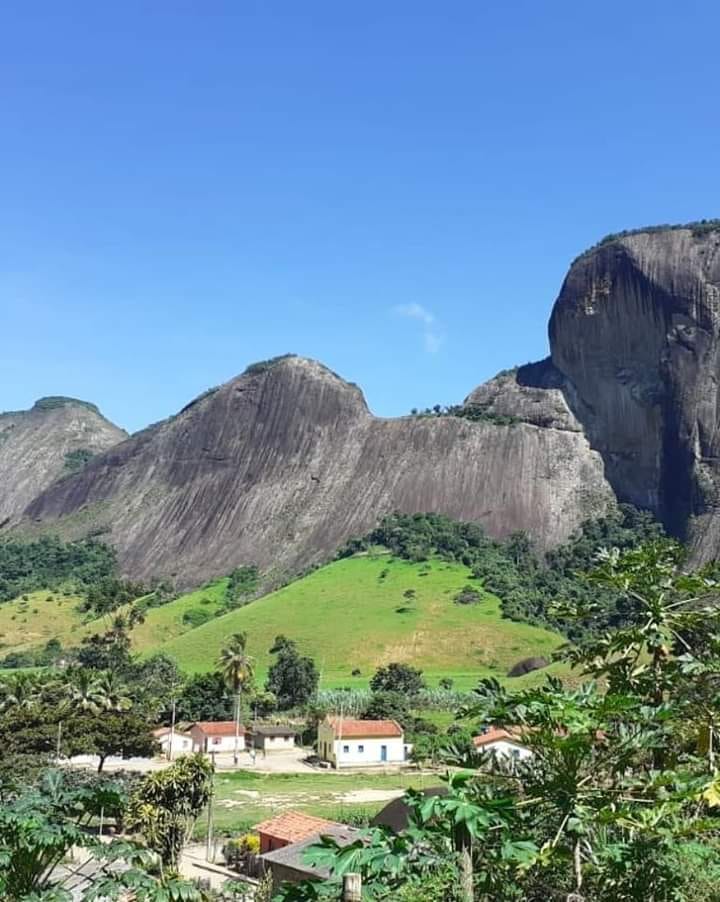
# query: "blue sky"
{"points": [[395, 188]]}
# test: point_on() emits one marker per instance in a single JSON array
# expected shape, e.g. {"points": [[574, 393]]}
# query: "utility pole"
{"points": [[57, 744], [462, 841], [172, 732], [209, 843], [237, 727], [352, 888]]}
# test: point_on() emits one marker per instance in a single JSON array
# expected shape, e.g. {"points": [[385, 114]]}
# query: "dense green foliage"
{"points": [[242, 584], [40, 825], [531, 587], [167, 803], [398, 678], [538, 589], [49, 563], [293, 678], [478, 413], [619, 799], [204, 697]]}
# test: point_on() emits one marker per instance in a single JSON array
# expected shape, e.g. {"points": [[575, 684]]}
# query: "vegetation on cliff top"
{"points": [[52, 402], [698, 228]]}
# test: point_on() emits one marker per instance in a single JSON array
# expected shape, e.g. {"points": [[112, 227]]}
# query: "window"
{"points": [[346, 749], [361, 749], [216, 740]]}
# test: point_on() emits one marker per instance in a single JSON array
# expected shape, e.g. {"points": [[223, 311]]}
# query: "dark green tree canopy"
{"points": [[398, 678], [292, 678]]}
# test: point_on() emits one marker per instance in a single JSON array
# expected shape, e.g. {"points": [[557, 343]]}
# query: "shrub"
{"points": [[468, 595], [196, 617]]}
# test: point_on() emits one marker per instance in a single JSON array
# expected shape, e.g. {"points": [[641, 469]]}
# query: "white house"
{"points": [[502, 743], [216, 736], [361, 743], [182, 742]]}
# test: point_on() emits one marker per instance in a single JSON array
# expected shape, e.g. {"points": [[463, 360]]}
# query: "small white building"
{"points": [[502, 744], [182, 742], [216, 736], [268, 738], [361, 743]]}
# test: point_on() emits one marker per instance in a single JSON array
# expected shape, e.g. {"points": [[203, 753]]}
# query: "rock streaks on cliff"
{"points": [[35, 444], [281, 465]]}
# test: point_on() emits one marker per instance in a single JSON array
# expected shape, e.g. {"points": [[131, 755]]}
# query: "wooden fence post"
{"points": [[352, 888]]}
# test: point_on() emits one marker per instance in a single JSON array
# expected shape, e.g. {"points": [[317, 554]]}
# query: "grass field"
{"points": [[166, 622], [243, 799], [351, 615], [37, 617], [361, 612], [47, 615]]}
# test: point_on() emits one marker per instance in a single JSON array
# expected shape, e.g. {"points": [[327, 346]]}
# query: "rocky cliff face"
{"points": [[283, 464], [40, 445], [636, 334]]}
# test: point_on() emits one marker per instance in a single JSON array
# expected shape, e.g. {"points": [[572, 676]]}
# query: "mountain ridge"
{"points": [[279, 466], [37, 446]]}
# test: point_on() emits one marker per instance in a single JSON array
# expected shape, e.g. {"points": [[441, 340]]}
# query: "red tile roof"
{"points": [[496, 734], [292, 826], [218, 727], [162, 731], [365, 729]]}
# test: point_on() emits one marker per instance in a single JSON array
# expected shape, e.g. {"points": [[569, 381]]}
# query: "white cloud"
{"points": [[432, 336]]}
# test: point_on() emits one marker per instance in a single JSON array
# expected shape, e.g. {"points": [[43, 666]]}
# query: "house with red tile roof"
{"points": [[289, 865], [346, 742], [180, 740], [290, 827], [216, 736], [502, 743]]}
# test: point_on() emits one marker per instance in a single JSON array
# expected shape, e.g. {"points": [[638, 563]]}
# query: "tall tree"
{"points": [[21, 692], [397, 677], [85, 692], [292, 678], [237, 668]]}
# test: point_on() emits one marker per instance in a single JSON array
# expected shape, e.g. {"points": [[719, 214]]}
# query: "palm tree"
{"points": [[21, 692], [85, 692], [114, 692], [237, 669]]}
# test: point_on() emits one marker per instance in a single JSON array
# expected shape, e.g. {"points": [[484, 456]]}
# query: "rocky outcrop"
{"points": [[281, 465], [39, 445], [636, 334]]}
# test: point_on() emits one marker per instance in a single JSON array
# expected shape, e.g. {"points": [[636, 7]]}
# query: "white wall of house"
{"points": [[359, 752], [503, 748], [275, 743], [182, 744], [218, 744]]}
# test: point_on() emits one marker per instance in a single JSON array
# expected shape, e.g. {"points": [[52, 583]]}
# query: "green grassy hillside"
{"points": [[353, 614], [36, 617], [361, 612], [31, 620], [169, 621]]}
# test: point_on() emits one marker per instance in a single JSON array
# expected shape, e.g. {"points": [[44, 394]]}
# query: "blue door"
{"points": [[383, 753]]}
